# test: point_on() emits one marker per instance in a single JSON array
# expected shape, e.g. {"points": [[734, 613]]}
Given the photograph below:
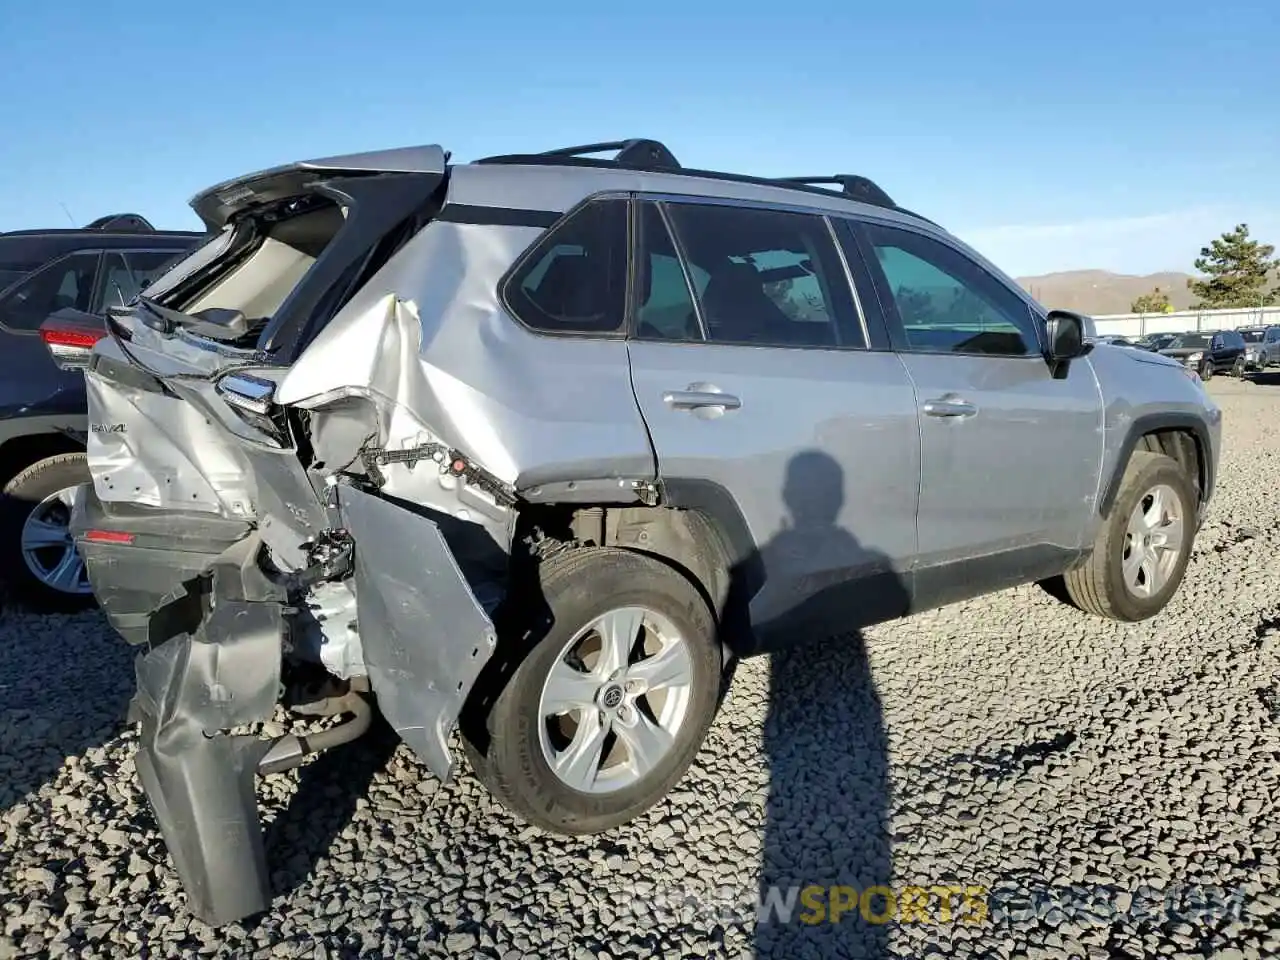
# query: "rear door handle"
{"points": [[700, 396], [949, 407]]}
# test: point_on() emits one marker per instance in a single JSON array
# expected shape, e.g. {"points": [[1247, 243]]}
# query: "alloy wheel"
{"points": [[615, 700], [1153, 541], [49, 550]]}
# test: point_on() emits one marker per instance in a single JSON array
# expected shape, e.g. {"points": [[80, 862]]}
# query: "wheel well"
{"points": [[688, 540], [21, 452], [1184, 447]]}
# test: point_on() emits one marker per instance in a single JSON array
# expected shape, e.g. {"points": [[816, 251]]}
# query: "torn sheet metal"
{"points": [[425, 636], [201, 784]]}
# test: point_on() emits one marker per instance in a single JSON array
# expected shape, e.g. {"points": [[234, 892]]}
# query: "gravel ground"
{"points": [[1098, 783]]}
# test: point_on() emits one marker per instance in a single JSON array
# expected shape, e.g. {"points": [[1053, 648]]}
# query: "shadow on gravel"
{"points": [[1268, 379], [65, 682], [826, 839], [328, 790]]}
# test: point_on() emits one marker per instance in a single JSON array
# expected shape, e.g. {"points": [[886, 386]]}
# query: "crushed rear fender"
{"points": [[425, 636]]}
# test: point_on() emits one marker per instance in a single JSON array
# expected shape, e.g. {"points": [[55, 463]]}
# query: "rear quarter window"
{"points": [[574, 279]]}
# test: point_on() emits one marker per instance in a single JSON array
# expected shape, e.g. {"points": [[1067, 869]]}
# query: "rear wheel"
{"points": [[37, 554], [1239, 368], [1142, 549], [612, 701]]}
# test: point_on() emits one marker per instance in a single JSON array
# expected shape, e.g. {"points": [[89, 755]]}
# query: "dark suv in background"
{"points": [[1209, 352], [76, 274]]}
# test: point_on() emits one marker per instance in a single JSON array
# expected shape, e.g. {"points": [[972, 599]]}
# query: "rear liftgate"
{"points": [[425, 640]]}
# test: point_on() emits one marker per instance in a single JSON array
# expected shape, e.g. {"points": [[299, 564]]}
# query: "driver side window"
{"points": [[946, 302], [67, 282]]}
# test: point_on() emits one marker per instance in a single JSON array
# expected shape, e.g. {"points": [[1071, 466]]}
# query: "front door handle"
{"points": [[700, 396], [949, 407]]}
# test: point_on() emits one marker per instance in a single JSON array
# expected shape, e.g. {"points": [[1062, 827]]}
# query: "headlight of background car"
{"points": [[1195, 358]]}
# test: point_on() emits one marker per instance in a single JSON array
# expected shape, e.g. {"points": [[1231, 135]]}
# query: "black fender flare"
{"points": [[738, 547], [1153, 423]]}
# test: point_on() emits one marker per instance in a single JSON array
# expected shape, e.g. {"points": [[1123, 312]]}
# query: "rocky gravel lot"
{"points": [[1101, 790]]}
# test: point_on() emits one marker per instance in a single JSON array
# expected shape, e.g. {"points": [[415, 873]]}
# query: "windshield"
{"points": [[1190, 340], [1251, 336]]}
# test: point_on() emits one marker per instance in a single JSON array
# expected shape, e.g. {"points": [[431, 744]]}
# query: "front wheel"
{"points": [[1206, 370], [1141, 551], [1238, 370], [612, 701], [37, 554]]}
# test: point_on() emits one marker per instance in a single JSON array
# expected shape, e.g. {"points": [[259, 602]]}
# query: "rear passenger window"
{"points": [[67, 282], [765, 277], [124, 274], [575, 279]]}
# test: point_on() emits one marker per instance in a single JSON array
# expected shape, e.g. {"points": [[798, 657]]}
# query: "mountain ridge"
{"points": [[1100, 292]]}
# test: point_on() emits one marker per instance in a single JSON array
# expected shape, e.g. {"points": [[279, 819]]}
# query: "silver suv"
{"points": [[530, 448]]}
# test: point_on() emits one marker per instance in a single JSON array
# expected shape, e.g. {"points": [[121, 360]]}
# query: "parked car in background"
{"points": [[530, 445], [1262, 346], [76, 273], [1209, 353], [1114, 340], [1156, 342]]}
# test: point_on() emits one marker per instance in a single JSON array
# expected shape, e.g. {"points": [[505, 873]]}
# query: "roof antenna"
{"points": [[73, 220]]}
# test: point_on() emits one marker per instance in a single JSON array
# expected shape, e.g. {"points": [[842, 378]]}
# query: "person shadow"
{"points": [[825, 881]]}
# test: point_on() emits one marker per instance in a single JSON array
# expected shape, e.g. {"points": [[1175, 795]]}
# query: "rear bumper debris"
{"points": [[220, 630], [199, 781]]}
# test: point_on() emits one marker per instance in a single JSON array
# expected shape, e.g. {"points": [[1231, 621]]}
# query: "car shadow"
{"points": [[825, 881]]}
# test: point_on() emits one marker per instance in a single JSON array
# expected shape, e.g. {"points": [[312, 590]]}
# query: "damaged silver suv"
{"points": [[529, 448]]}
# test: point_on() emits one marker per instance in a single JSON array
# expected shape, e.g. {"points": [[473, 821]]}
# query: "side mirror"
{"points": [[1064, 339]]}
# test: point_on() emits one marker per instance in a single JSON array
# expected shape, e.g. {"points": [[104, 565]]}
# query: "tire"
{"points": [[1206, 370], [1238, 369], [1099, 585], [577, 588], [28, 495]]}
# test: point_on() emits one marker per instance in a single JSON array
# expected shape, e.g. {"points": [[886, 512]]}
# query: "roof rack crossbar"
{"points": [[852, 185]]}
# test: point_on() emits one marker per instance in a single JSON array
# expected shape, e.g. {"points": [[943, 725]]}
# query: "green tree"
{"points": [[1236, 271], [1157, 301]]}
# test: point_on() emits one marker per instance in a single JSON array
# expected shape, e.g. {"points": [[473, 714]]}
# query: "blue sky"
{"points": [[1121, 135]]}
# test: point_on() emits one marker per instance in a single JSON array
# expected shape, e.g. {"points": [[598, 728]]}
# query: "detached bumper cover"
{"points": [[199, 781]]}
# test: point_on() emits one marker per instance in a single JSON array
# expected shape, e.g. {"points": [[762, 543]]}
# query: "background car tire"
{"points": [[22, 495], [1238, 370], [1098, 586], [576, 587], [1206, 370]]}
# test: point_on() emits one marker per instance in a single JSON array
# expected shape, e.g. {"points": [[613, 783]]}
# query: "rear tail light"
{"points": [[70, 346], [108, 536], [252, 400]]}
